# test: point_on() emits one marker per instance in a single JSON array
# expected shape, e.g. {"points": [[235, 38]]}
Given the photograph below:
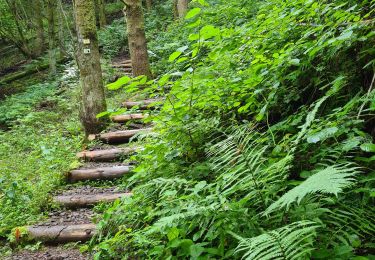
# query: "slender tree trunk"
{"points": [[61, 33], [175, 11], [22, 42], [182, 6], [100, 6], [38, 23], [137, 38], [51, 7], [149, 5], [88, 59]]}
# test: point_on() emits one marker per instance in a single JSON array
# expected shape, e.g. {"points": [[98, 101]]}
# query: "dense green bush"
{"points": [[264, 146]]}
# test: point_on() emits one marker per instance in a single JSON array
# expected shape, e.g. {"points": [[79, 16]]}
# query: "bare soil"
{"points": [[50, 253]]}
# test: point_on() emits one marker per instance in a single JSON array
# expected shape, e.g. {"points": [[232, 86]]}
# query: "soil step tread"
{"points": [[118, 136], [106, 155], [128, 117], [99, 173]]}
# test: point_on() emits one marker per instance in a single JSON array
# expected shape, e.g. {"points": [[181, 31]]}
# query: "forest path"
{"points": [[90, 185]]}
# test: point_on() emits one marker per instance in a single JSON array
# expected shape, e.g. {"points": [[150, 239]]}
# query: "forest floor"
{"points": [[50, 253]]}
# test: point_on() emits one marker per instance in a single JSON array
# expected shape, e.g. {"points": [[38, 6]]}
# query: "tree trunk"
{"points": [[137, 38], [175, 11], [51, 7], [106, 155], [149, 5], [21, 42], [118, 136], [61, 234], [182, 6], [88, 59], [100, 5], [38, 23], [102, 173], [80, 201], [61, 32]]}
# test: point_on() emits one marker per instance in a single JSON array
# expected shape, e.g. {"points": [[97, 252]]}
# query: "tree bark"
{"points": [[19, 40], [88, 59], [182, 6], [60, 234], [137, 38], [74, 201], [106, 155], [61, 32], [38, 23], [129, 117], [103, 173], [100, 5], [175, 11], [51, 12], [118, 136], [149, 5]]}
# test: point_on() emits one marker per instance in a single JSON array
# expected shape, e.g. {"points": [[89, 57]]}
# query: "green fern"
{"points": [[330, 180], [293, 241], [240, 159]]}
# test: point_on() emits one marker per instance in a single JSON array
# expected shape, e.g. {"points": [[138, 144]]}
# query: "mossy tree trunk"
{"points": [[175, 11], [88, 59], [137, 38], [182, 6], [51, 13], [39, 28], [61, 32], [149, 5], [100, 6]]}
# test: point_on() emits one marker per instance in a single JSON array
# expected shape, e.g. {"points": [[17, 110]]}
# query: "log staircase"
{"points": [[75, 200]]}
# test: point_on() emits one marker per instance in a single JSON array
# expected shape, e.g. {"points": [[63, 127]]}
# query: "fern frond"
{"points": [[293, 241], [330, 180], [345, 221]]}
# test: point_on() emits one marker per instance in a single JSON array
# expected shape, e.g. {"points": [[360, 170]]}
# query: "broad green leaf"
{"points": [[174, 55], [118, 83], [322, 135], [102, 114], [173, 233], [368, 147], [164, 79], [209, 31], [196, 251], [193, 12]]}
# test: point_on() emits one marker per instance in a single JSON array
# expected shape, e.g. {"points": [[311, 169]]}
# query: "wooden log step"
{"points": [[106, 155], [101, 173], [143, 105], [129, 117], [118, 136], [86, 200], [122, 65], [61, 233]]}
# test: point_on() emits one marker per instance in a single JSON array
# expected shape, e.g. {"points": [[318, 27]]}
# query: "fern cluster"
{"points": [[265, 144]]}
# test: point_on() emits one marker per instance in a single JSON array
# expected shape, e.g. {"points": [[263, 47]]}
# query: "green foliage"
{"points": [[293, 241], [19, 105], [268, 103], [35, 152], [113, 38], [330, 180]]}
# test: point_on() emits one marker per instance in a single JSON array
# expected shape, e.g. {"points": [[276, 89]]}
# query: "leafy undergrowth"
{"points": [[265, 145]]}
